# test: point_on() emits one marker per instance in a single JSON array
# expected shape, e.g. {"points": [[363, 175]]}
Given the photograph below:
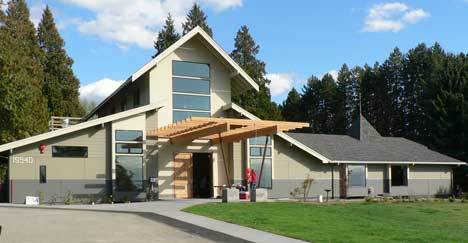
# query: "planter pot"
{"points": [[230, 195], [259, 195]]}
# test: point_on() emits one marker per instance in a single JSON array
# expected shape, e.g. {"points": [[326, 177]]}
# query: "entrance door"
{"points": [[183, 175], [202, 175]]}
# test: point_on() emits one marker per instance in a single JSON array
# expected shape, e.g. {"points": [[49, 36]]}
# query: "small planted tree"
{"points": [[303, 189]]}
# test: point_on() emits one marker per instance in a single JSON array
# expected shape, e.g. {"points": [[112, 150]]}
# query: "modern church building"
{"points": [[171, 131]]}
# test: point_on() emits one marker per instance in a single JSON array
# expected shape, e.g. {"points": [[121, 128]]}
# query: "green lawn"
{"points": [[351, 222]]}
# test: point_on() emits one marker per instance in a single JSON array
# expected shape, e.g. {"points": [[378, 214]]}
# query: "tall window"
{"points": [[357, 175], [42, 174], [190, 90], [136, 98], [129, 160], [256, 150], [399, 175]]}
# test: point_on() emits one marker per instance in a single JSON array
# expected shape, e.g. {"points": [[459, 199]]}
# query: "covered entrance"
{"points": [[193, 175], [193, 170]]}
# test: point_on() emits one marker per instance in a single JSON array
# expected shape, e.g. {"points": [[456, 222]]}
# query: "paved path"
{"points": [[74, 226], [171, 210]]}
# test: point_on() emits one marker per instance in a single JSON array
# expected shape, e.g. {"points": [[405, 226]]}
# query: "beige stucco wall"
{"points": [[289, 162], [161, 79], [91, 168], [430, 172], [376, 172]]}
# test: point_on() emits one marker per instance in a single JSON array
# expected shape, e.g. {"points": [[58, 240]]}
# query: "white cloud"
{"points": [[99, 90], [393, 16], [333, 73], [137, 22], [36, 11], [280, 83]]}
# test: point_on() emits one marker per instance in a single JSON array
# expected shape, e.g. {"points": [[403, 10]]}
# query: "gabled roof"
{"points": [[246, 82], [364, 144], [78, 127]]}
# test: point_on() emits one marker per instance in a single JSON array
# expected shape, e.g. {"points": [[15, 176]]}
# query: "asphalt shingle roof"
{"points": [[364, 143]]}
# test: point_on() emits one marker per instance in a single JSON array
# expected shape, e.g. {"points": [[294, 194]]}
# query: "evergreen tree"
{"points": [[60, 84], [391, 71], [22, 105], [245, 54], [166, 37], [320, 104], [290, 109], [348, 83], [196, 17], [417, 70]]}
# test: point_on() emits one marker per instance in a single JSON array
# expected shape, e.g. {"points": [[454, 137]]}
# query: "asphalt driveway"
{"points": [[55, 225]]}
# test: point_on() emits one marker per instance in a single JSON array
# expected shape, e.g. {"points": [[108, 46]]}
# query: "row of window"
{"points": [[190, 90], [129, 160], [357, 175]]}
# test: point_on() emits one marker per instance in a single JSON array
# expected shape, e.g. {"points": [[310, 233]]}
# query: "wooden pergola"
{"points": [[222, 130]]}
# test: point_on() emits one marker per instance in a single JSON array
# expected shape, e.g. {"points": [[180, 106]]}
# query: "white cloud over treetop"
{"points": [[280, 83], [137, 22], [393, 16], [99, 90]]}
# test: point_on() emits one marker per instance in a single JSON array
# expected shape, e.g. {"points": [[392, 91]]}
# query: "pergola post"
{"points": [[263, 160], [221, 144]]}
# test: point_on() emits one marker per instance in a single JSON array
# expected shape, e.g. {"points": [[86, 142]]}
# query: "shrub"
{"points": [[303, 189], [68, 198], [451, 199]]}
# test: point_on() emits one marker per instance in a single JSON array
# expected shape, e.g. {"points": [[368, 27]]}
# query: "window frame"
{"points": [[128, 141], [208, 95], [270, 145], [129, 150], [142, 188], [405, 170], [86, 155], [42, 174]]}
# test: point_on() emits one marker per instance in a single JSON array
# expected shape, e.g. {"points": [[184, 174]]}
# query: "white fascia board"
{"points": [[241, 111], [282, 135], [79, 126], [209, 40], [396, 162], [305, 148]]}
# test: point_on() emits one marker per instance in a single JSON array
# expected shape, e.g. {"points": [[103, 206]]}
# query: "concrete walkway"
{"points": [[171, 209]]}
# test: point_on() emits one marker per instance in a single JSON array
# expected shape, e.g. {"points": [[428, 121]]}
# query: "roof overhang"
{"points": [[79, 126], [218, 130], [397, 162]]}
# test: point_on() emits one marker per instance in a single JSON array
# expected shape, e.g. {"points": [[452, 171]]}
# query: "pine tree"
{"points": [[290, 109], [196, 17], [321, 106], [60, 84], [22, 105], [348, 92], [392, 73], [417, 70], [245, 54], [166, 37]]}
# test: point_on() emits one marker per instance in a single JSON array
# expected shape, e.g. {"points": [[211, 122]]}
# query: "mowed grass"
{"points": [[350, 222]]}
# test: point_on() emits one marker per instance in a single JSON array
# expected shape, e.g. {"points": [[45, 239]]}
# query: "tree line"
{"points": [[36, 77], [420, 95]]}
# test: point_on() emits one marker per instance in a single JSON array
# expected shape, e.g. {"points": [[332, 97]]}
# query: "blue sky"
{"points": [[109, 40]]}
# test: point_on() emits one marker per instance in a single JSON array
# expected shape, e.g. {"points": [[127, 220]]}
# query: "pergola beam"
{"points": [[243, 133], [283, 125], [196, 133]]}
